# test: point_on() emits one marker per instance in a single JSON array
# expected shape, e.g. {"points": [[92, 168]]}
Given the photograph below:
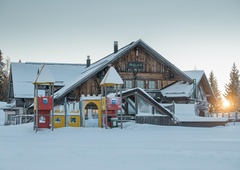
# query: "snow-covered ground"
{"points": [[142, 147]]}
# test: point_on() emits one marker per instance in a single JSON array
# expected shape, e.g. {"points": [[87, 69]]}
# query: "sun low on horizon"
{"points": [[225, 103]]}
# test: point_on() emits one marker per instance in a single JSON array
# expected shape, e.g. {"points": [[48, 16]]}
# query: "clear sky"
{"points": [[192, 34]]}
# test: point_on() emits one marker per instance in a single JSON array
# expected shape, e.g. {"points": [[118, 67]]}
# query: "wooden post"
{"points": [[102, 120], [36, 129], [106, 107], [81, 112], [65, 112], [52, 94], [136, 103], [153, 111], [121, 104]]}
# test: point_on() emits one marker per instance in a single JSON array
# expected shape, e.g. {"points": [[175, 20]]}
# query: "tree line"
{"points": [[232, 93]]}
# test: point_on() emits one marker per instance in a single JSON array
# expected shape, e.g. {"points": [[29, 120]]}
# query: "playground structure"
{"points": [[43, 100], [113, 103], [74, 114]]}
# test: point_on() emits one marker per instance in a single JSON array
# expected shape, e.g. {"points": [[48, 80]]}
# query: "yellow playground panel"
{"points": [[58, 117], [74, 120], [97, 101], [59, 120]]}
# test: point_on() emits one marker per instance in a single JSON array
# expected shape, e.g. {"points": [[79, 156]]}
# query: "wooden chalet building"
{"points": [[137, 63]]}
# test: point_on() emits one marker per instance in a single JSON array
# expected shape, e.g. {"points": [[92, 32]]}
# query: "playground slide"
{"points": [[147, 98]]}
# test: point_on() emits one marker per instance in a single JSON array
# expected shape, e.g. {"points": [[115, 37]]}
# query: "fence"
{"points": [[154, 120], [21, 119]]}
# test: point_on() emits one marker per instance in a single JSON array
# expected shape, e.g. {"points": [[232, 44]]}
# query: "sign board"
{"points": [[135, 65], [113, 103], [44, 103]]}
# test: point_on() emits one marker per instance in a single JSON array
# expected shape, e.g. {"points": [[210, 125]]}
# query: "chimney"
{"points": [[88, 61], [115, 46]]}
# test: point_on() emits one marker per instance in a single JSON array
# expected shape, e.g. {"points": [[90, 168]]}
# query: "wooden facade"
{"points": [[153, 71]]}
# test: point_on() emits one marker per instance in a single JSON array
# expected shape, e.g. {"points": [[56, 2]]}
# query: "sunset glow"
{"points": [[225, 103]]}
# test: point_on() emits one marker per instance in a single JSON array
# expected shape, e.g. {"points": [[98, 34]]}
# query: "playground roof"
{"points": [[111, 78]]}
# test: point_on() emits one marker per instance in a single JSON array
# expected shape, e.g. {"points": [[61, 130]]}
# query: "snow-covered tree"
{"points": [[216, 106], [2, 77], [232, 93]]}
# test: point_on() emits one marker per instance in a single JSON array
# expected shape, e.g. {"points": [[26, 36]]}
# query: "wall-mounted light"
{"points": [[137, 52]]}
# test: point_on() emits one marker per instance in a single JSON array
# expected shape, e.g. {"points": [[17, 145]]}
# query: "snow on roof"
{"points": [[195, 74], [111, 78], [45, 76], [182, 88], [178, 89], [71, 76], [100, 64], [24, 74], [91, 70]]}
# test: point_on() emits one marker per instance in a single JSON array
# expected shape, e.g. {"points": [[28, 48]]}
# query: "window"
{"points": [[11, 117], [159, 84], [128, 84], [151, 85], [140, 83]]}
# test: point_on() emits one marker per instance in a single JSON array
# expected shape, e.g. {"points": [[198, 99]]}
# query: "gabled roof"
{"points": [[171, 66], [201, 78], [24, 74], [102, 63], [195, 74], [185, 89]]}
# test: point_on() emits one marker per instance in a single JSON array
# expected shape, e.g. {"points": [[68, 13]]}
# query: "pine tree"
{"points": [[232, 89], [217, 105], [7, 71]]}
